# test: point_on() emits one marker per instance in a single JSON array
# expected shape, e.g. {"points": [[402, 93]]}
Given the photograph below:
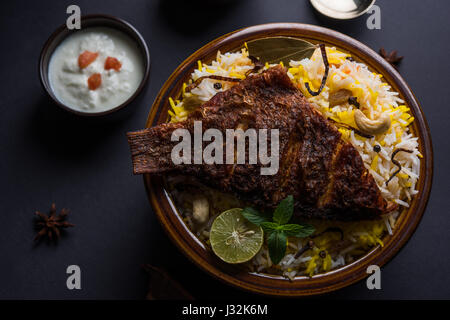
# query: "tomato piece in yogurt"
{"points": [[112, 63], [83, 54], [94, 81], [86, 58]]}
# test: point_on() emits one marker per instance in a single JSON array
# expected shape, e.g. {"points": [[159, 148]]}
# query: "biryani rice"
{"points": [[376, 97]]}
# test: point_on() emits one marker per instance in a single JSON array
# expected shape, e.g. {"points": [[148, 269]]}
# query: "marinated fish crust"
{"points": [[325, 174]]}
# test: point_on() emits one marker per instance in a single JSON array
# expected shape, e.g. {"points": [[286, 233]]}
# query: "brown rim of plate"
{"points": [[274, 285], [113, 23]]}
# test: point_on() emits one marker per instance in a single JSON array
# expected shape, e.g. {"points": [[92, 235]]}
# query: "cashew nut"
{"points": [[369, 126], [200, 209], [339, 97]]}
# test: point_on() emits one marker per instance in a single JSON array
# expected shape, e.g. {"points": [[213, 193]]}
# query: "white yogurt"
{"points": [[70, 83]]}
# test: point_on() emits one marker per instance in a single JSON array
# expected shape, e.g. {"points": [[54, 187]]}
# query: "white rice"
{"points": [[374, 96]]}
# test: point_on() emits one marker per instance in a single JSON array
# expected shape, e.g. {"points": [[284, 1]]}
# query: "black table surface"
{"points": [[48, 156]]}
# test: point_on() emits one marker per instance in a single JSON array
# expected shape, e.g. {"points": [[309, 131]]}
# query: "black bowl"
{"points": [[94, 20]]}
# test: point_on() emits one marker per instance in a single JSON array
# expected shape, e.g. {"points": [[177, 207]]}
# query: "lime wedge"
{"points": [[233, 238]]}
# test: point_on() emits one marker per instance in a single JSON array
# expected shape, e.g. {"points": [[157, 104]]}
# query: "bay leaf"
{"points": [[276, 49], [191, 102]]}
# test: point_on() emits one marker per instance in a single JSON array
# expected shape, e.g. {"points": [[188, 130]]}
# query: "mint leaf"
{"points": [[291, 230], [276, 243], [284, 210], [296, 230], [254, 216], [269, 227], [307, 230]]}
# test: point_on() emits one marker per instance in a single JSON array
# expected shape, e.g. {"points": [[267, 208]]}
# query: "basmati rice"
{"points": [[375, 97]]}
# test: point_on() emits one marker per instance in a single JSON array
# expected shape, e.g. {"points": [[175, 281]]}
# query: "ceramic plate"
{"points": [[195, 250]]}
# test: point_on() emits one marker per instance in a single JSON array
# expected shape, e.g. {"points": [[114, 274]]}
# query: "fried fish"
{"points": [[324, 173]]}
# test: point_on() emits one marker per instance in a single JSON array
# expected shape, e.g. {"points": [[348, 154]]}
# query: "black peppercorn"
{"points": [[217, 86], [322, 254], [353, 101], [377, 148]]}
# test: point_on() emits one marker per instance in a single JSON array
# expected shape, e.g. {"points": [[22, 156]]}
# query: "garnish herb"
{"points": [[256, 217], [325, 76], [277, 227], [277, 243], [280, 49], [191, 102], [284, 210], [399, 166]]}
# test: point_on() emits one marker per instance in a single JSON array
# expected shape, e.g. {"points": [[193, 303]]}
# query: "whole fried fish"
{"points": [[325, 174]]}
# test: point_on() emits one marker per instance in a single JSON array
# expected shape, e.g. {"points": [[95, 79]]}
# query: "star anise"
{"points": [[50, 225], [392, 57]]}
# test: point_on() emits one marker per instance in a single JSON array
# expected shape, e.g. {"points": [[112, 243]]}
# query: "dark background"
{"points": [[48, 156]]}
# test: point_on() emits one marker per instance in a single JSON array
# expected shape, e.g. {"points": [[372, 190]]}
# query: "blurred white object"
{"points": [[342, 9]]}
